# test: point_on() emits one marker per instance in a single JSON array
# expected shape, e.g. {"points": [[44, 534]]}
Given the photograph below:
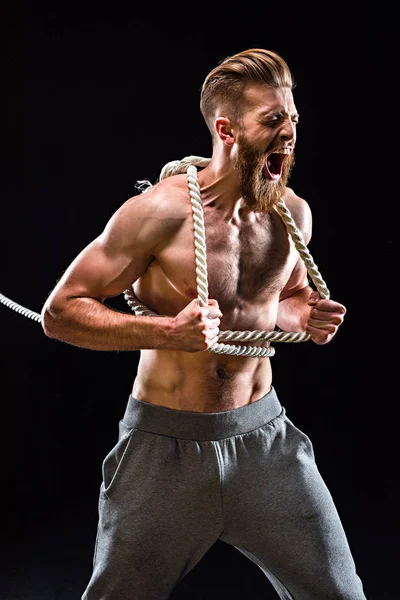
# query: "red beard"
{"points": [[259, 193]]}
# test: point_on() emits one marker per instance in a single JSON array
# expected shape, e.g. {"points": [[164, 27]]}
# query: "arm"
{"points": [[75, 311], [300, 308], [293, 308]]}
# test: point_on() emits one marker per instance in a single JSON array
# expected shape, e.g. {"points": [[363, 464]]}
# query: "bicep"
{"points": [[114, 260], [100, 273]]}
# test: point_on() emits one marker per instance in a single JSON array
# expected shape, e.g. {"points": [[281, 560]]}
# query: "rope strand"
{"points": [[188, 165]]}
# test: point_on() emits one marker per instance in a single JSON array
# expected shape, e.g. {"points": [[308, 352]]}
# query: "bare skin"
{"points": [[256, 279]]}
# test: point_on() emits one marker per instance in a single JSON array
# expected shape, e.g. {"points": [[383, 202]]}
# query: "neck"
{"points": [[219, 183]]}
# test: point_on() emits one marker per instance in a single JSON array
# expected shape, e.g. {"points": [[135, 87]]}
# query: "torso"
{"points": [[249, 259]]}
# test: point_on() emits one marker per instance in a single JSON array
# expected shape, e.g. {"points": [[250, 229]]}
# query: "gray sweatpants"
{"points": [[178, 481]]}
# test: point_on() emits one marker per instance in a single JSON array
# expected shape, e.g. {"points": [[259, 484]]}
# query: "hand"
{"points": [[324, 319], [195, 328]]}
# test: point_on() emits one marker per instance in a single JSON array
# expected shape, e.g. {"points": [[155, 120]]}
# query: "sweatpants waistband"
{"points": [[201, 426]]}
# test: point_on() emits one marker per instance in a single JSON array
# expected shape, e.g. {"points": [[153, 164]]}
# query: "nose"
{"points": [[288, 130]]}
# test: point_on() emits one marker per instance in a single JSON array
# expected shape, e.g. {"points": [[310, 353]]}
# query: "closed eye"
{"points": [[278, 117]]}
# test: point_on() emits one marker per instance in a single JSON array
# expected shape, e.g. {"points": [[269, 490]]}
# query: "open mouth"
{"points": [[274, 164]]}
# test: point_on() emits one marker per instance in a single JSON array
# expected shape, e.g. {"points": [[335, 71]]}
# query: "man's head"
{"points": [[248, 105]]}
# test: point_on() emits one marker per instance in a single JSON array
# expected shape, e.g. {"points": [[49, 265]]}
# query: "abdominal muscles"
{"points": [[247, 268], [200, 381]]}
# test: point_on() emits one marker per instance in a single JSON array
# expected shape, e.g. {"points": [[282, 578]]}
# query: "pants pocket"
{"points": [[115, 460], [307, 443]]}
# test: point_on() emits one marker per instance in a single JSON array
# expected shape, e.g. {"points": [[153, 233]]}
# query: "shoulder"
{"points": [[300, 211], [164, 203], [151, 216], [167, 198]]}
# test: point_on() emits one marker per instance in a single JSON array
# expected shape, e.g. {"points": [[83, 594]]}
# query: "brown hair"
{"points": [[224, 85]]}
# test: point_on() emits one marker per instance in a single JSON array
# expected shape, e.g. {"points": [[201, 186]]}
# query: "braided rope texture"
{"points": [[188, 165], [20, 309]]}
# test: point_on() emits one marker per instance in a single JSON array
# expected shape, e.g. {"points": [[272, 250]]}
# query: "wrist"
{"points": [[167, 330]]}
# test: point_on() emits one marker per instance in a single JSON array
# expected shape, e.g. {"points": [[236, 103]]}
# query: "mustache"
{"points": [[258, 192]]}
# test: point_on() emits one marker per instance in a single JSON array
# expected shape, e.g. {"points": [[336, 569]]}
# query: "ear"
{"points": [[224, 128]]}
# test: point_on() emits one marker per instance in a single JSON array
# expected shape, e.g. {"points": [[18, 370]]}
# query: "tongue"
{"points": [[272, 170]]}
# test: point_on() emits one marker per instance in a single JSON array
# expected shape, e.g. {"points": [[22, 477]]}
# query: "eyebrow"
{"points": [[278, 113]]}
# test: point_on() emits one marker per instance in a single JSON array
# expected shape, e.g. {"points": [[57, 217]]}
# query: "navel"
{"points": [[223, 374]]}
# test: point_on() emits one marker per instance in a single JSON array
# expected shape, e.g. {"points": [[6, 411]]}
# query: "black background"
{"points": [[97, 96]]}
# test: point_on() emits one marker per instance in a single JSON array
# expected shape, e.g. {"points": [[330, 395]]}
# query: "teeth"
{"points": [[283, 151]]}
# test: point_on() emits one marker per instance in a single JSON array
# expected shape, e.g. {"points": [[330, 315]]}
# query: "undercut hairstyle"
{"points": [[223, 87]]}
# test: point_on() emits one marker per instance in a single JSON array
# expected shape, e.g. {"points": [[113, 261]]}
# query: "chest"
{"points": [[245, 261]]}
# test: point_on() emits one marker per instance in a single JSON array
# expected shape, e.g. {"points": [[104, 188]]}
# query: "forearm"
{"points": [[87, 323], [293, 311]]}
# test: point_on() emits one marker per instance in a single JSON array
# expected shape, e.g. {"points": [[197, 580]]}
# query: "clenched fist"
{"points": [[325, 318], [195, 328]]}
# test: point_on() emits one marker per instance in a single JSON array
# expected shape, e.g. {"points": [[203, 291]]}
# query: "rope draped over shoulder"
{"points": [[188, 165]]}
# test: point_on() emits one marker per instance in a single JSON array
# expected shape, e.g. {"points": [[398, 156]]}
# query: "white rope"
{"points": [[20, 309], [302, 249], [188, 165]]}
